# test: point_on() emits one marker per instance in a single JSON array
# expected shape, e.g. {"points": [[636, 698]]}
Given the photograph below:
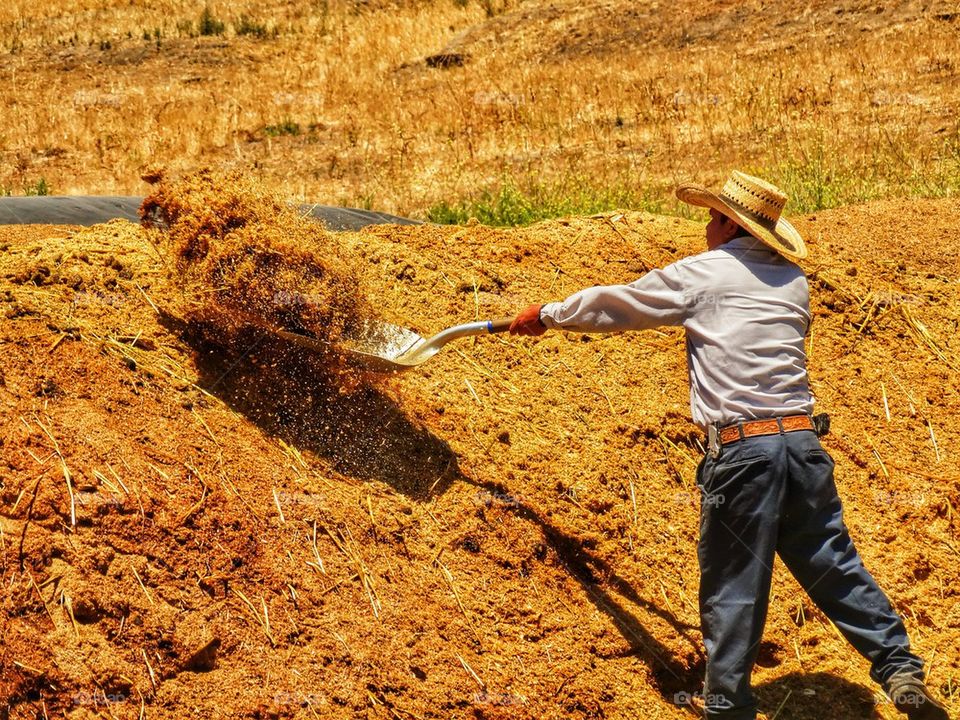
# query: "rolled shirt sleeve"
{"points": [[656, 299]]}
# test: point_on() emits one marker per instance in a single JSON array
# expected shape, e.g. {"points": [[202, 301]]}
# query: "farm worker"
{"points": [[766, 483]]}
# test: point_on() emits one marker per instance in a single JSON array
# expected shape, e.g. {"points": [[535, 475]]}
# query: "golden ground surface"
{"points": [[507, 532]]}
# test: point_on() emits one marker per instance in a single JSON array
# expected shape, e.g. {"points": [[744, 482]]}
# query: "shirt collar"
{"points": [[745, 243]]}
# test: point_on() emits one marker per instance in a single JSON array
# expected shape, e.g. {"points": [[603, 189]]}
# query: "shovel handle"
{"points": [[499, 325]]}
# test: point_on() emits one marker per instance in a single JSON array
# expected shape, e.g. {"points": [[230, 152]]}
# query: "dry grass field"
{"points": [[508, 110]]}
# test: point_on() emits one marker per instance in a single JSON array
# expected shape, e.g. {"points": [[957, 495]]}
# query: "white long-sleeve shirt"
{"points": [[745, 310]]}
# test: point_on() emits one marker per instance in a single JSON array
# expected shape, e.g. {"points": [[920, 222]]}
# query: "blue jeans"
{"points": [[776, 494]]}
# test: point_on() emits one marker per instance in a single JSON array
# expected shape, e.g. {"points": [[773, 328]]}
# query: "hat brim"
{"points": [[782, 236]]}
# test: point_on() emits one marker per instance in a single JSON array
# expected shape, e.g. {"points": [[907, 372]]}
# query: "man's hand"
{"points": [[528, 322]]}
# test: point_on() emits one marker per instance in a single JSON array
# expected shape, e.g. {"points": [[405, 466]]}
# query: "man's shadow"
{"points": [[810, 696], [291, 394], [675, 675]]}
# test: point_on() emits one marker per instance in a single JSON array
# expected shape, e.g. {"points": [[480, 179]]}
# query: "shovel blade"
{"points": [[374, 345], [384, 347], [381, 339]]}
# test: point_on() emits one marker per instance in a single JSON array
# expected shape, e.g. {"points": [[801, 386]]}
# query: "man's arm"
{"points": [[656, 299]]}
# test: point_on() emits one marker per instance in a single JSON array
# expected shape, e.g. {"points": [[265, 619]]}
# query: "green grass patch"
{"points": [[209, 24], [514, 203], [818, 175], [254, 28], [284, 127], [39, 187]]}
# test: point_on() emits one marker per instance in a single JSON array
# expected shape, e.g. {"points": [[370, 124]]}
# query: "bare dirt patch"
{"points": [[507, 532]]}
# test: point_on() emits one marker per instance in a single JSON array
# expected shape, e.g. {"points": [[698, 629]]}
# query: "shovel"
{"points": [[384, 347]]}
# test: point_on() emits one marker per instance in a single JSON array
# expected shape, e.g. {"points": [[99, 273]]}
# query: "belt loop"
{"points": [[780, 424], [740, 430]]}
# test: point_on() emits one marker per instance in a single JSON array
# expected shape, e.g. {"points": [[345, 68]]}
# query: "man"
{"points": [[744, 305]]}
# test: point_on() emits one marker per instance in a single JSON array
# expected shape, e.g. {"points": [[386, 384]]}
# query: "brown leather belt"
{"points": [[773, 426]]}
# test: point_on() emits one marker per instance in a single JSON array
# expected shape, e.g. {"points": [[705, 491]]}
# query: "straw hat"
{"points": [[754, 204]]}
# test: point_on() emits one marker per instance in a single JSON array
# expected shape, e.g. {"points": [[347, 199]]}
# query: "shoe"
{"points": [[910, 696]]}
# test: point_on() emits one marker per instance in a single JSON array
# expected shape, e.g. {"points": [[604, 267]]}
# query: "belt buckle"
{"points": [[713, 440]]}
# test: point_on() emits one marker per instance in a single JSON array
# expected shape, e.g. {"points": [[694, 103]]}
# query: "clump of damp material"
{"points": [[248, 261]]}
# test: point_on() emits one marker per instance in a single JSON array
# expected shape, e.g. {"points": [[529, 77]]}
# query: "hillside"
{"points": [[403, 106], [507, 532]]}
